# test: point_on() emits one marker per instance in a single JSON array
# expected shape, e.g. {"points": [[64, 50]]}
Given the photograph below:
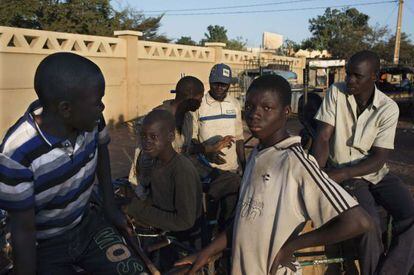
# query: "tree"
{"points": [[186, 40], [218, 33], [237, 44], [94, 17], [385, 49], [342, 32], [288, 48]]}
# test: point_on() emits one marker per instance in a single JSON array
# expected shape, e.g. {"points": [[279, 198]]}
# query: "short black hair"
{"points": [[368, 56], [166, 118], [188, 86], [275, 84], [66, 76]]}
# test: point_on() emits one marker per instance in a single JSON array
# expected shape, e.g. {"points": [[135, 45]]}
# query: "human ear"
{"points": [[171, 136], [65, 109], [375, 76], [288, 110]]}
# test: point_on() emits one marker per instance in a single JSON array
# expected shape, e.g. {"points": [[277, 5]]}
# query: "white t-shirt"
{"points": [[282, 188], [216, 119]]}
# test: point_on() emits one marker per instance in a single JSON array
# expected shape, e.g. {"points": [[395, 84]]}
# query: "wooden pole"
{"points": [[398, 33]]}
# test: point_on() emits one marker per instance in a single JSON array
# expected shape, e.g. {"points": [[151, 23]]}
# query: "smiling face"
{"points": [[266, 115], [155, 138]]}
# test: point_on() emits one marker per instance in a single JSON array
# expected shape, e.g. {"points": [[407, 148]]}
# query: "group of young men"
{"points": [[194, 144]]}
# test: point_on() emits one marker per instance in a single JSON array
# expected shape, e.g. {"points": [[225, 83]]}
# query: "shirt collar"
{"points": [[210, 100], [35, 108], [376, 102], [284, 144]]}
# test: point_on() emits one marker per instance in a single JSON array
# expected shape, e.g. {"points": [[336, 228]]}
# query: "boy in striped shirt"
{"points": [[48, 163], [282, 188]]}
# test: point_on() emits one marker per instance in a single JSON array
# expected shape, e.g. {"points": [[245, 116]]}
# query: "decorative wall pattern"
{"points": [[165, 51], [44, 42]]}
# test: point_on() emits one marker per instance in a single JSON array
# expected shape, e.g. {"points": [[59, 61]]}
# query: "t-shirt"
{"points": [[282, 187], [354, 135], [175, 195], [216, 119], [48, 173]]}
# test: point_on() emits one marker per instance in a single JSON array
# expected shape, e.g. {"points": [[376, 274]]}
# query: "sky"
{"points": [[291, 24]]}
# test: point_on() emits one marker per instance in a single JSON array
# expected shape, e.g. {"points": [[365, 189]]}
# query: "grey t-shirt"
{"points": [[282, 187]]}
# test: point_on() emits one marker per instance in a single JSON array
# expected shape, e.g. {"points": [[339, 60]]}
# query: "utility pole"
{"points": [[398, 33]]}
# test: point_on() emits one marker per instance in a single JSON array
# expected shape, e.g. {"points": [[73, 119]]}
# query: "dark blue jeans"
{"points": [[397, 200], [93, 245]]}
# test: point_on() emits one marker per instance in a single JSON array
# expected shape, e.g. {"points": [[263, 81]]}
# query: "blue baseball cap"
{"points": [[220, 73]]}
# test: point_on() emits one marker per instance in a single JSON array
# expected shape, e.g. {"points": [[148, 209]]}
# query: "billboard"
{"points": [[272, 41]]}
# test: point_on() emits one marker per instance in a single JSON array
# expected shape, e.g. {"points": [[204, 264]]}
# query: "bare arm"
{"points": [[348, 224], [240, 153], [23, 233], [374, 162], [320, 147], [201, 258], [105, 182], [104, 176]]}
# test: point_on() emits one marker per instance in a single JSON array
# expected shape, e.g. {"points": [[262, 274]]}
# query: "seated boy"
{"points": [[282, 187], [174, 195], [48, 163]]}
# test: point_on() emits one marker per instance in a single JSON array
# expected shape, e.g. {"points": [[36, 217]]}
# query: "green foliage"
{"points": [[237, 44], [288, 48], [94, 17], [385, 49], [341, 32], [218, 33], [344, 32], [186, 40]]}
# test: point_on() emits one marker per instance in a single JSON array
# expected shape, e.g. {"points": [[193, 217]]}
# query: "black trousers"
{"points": [[396, 199]]}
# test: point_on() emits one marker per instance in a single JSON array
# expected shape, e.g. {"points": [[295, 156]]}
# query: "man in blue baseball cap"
{"points": [[218, 116]]}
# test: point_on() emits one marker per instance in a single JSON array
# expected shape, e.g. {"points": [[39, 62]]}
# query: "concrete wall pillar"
{"points": [[131, 77], [218, 50]]}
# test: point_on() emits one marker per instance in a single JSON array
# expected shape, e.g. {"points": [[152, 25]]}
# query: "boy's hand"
{"points": [[284, 258], [118, 219], [196, 261]]}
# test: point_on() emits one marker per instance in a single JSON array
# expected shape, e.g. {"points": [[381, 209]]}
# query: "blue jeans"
{"points": [[93, 245]]}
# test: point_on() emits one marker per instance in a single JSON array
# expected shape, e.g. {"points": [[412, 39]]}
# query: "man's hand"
{"points": [[216, 158], [225, 142], [284, 258], [338, 175], [196, 261]]}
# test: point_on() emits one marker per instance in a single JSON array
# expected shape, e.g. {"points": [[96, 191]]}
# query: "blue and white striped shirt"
{"points": [[48, 174]]}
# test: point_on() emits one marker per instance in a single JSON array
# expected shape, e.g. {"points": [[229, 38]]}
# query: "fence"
{"points": [[139, 74]]}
